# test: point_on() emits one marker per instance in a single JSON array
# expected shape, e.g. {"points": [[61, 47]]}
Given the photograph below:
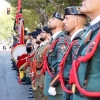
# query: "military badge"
{"points": [[63, 48]]}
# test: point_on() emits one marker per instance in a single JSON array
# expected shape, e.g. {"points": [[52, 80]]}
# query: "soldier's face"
{"points": [[38, 37], [69, 23], [90, 6], [26, 36], [33, 40], [52, 23], [44, 34]]}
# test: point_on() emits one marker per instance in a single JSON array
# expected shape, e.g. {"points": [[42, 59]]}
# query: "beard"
{"points": [[51, 28], [38, 42], [42, 39], [67, 33]]}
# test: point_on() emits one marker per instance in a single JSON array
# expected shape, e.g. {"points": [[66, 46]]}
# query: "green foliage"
{"points": [[31, 9], [6, 25]]}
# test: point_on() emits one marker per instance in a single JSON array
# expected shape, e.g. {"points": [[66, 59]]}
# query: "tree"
{"points": [[37, 12], [6, 28]]}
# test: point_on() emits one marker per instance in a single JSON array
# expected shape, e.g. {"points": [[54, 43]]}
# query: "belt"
{"points": [[66, 82]]}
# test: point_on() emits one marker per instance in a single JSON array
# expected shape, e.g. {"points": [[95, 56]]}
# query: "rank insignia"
{"points": [[63, 48]]}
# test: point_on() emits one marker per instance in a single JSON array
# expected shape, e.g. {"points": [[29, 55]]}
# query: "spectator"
{"points": [[4, 46]]}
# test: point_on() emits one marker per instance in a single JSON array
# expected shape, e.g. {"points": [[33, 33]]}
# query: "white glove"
{"points": [[52, 91]]}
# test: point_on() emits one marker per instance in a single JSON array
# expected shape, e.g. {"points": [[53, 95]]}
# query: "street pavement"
{"points": [[10, 89]]}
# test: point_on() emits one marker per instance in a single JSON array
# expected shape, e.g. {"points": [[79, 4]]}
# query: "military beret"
{"points": [[46, 29], [38, 29], [34, 34], [25, 32], [29, 34], [58, 15], [72, 10]]}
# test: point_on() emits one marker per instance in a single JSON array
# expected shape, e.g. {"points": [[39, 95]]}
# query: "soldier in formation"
{"points": [[66, 66], [86, 65]]}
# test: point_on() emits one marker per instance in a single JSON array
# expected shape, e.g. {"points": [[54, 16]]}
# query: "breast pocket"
{"points": [[51, 56]]}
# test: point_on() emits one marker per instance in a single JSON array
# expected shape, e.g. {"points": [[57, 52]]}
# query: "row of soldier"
{"points": [[66, 66]]}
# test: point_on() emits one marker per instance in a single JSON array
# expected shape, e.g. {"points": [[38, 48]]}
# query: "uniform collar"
{"points": [[54, 35], [76, 34], [96, 20]]}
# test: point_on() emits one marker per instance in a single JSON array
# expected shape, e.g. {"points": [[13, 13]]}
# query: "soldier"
{"points": [[33, 67], [45, 36], [22, 63], [34, 47], [58, 42], [86, 68], [40, 52], [74, 24], [34, 36]]}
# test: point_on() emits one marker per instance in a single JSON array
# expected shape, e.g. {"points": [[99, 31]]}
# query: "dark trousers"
{"points": [[4, 48]]}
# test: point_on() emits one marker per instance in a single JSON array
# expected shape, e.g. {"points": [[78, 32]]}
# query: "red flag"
{"points": [[19, 4]]}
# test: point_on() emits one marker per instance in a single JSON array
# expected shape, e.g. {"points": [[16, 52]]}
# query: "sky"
{"points": [[3, 6]]}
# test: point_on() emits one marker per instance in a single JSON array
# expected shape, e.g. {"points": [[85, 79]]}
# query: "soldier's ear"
{"points": [[76, 21], [60, 23]]}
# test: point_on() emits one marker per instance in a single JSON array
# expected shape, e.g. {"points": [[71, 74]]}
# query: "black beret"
{"points": [[46, 29], [34, 34], [72, 10], [38, 29], [58, 15], [28, 33], [25, 32]]}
